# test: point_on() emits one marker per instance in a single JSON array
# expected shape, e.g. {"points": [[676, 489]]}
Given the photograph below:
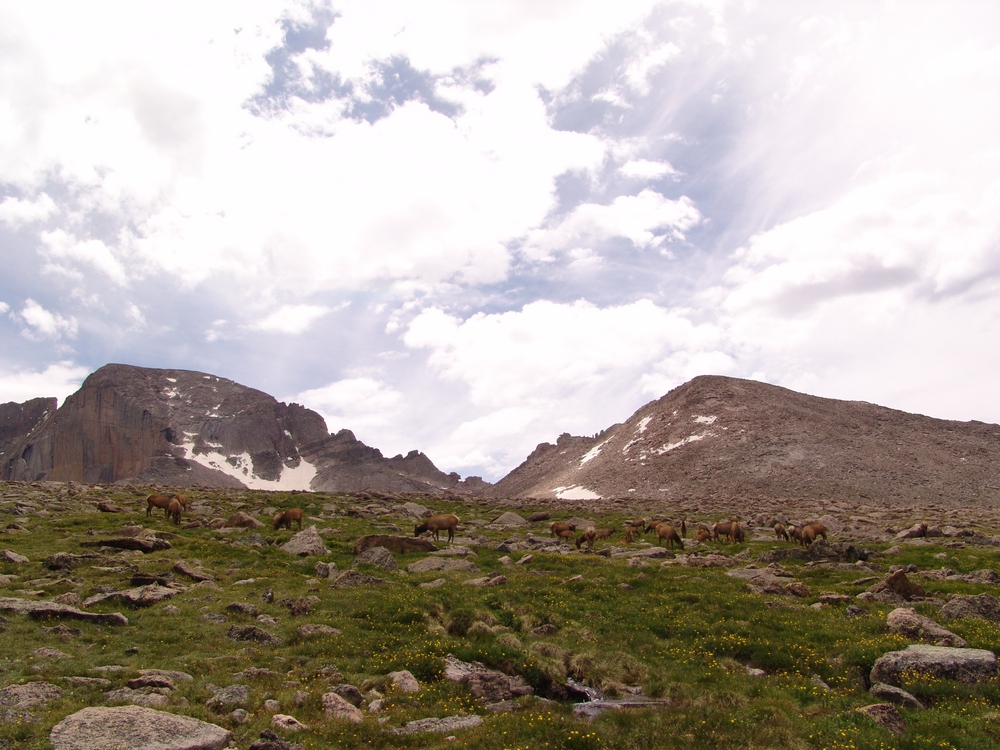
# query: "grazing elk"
{"points": [[664, 531], [780, 531], [286, 517], [158, 501], [730, 529], [587, 536], [558, 527], [174, 509], [437, 524], [812, 530]]}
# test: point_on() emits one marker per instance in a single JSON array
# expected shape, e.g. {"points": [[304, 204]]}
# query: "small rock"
{"points": [[894, 695], [380, 557], [886, 716], [336, 707], [288, 723], [313, 630], [233, 695], [443, 726], [239, 716], [404, 682], [252, 633], [272, 707], [13, 557]]}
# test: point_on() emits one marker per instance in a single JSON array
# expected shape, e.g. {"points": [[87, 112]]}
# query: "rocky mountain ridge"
{"points": [[186, 428], [720, 438]]}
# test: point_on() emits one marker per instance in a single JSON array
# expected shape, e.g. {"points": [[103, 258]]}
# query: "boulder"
{"points": [[352, 579], [895, 695], [136, 698], [288, 723], [509, 519], [30, 694], [135, 727], [142, 544], [416, 510], [908, 623], [47, 609], [336, 707], [442, 726], [306, 542], [241, 520], [960, 664], [899, 584], [980, 607], [324, 569], [191, 572], [380, 557], [313, 630], [268, 740], [886, 716], [440, 564], [404, 682], [142, 596], [252, 633], [13, 557], [401, 545], [227, 697], [488, 684], [916, 531]]}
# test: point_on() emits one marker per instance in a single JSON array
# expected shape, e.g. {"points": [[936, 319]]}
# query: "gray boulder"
{"points": [[135, 727], [908, 623], [981, 607], [136, 697], [441, 564], [886, 716], [510, 519], [380, 557], [404, 681], [960, 664], [335, 707], [444, 726], [306, 542], [895, 695]]}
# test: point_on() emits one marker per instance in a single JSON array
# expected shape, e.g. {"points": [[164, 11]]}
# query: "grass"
{"points": [[685, 634]]}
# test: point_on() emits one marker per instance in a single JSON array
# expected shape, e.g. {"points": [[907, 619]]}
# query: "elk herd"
{"points": [[667, 533]]}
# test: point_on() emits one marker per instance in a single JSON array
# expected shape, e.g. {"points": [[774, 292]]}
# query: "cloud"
{"points": [[44, 324], [60, 249], [17, 211], [648, 220], [646, 169], [59, 380], [292, 319], [358, 403]]}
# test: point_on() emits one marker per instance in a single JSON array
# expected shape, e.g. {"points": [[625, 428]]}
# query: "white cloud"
{"points": [[292, 319], [45, 324], [17, 211], [358, 404], [59, 380], [60, 248], [648, 220], [549, 350], [646, 169]]}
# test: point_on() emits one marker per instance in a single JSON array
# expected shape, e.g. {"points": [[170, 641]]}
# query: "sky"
{"points": [[466, 228]]}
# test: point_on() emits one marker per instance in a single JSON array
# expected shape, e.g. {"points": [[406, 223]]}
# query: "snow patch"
{"points": [[689, 439], [592, 453], [171, 380], [297, 478], [644, 424], [704, 420], [576, 492]]}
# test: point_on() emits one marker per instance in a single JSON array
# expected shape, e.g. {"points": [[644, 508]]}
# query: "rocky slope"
{"points": [[724, 438], [187, 428]]}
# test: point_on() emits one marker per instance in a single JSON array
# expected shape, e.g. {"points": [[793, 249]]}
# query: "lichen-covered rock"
{"points": [[380, 557], [442, 726], [306, 542], [960, 664], [404, 681], [886, 716], [336, 707], [135, 727], [907, 622], [441, 565], [981, 607]]}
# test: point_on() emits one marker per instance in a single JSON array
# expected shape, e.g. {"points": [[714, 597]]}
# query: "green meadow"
{"points": [[684, 634]]}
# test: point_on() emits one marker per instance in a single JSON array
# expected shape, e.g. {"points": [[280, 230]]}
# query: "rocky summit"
{"points": [[719, 438], [185, 428]]}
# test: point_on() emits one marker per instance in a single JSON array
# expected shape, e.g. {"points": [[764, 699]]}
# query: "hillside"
{"points": [[188, 428], [721, 438]]}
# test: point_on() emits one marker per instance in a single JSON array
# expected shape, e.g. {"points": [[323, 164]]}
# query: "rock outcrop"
{"points": [[135, 726]]}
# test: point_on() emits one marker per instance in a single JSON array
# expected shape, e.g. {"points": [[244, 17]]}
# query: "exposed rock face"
{"points": [[773, 442], [136, 727], [185, 428], [18, 420]]}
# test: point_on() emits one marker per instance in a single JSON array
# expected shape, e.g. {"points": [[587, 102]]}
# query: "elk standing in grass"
{"points": [[438, 523], [669, 533], [174, 509], [158, 501]]}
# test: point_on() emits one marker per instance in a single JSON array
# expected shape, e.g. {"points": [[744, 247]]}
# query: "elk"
{"points": [[285, 518], [438, 523]]}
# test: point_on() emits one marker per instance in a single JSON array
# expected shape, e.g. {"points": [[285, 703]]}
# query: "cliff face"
{"points": [[725, 438], [18, 420], [189, 428]]}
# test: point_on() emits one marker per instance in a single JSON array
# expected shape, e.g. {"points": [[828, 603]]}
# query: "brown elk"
{"points": [[557, 528], [158, 501], [702, 534], [285, 518], [603, 534], [174, 509], [438, 523], [588, 536], [669, 533], [780, 531], [730, 529], [812, 530]]}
